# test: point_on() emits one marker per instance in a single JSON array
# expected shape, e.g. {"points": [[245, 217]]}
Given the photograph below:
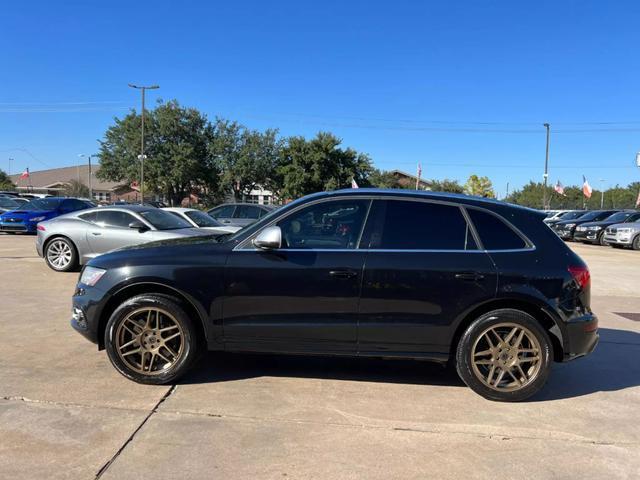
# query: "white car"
{"points": [[200, 219]]}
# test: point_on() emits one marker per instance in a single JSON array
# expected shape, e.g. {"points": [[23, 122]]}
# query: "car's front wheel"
{"points": [[504, 355], [61, 255], [602, 241], [151, 339], [636, 243]]}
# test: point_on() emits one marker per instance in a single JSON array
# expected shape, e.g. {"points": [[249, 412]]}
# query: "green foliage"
{"points": [[5, 181], [446, 185], [382, 179], [177, 143], [247, 158], [308, 166], [617, 197], [479, 186], [74, 188]]}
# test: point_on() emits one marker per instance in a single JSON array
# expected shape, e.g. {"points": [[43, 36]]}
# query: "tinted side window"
{"points": [[89, 217], [333, 225], [493, 232], [247, 211], [114, 219], [225, 211], [410, 225]]}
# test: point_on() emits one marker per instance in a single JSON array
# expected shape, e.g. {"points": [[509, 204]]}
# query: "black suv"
{"points": [[481, 284], [593, 232], [567, 228]]}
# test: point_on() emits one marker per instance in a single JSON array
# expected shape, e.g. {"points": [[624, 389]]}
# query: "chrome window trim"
{"points": [[247, 245]]}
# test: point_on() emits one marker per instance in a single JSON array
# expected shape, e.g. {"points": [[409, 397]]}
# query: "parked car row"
{"points": [[70, 231], [618, 228]]}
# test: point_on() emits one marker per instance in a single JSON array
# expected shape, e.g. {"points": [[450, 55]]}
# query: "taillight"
{"points": [[581, 275], [41, 228]]}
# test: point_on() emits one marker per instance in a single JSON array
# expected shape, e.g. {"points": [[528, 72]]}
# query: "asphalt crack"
{"points": [[106, 466]]}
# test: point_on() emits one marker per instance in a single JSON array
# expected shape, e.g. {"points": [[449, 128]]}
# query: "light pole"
{"points": [[142, 156], [546, 169], [82, 155], [602, 193], [9, 171]]}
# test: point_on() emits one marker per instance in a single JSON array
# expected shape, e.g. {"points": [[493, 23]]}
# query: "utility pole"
{"points": [[546, 169], [82, 155], [142, 156], [9, 171], [601, 193], [507, 196]]}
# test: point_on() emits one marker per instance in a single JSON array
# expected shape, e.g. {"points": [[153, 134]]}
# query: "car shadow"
{"points": [[221, 367], [612, 366]]}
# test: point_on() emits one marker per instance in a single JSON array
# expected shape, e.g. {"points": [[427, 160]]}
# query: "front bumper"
{"points": [[587, 236], [618, 239], [87, 305], [581, 337], [565, 234], [19, 227]]}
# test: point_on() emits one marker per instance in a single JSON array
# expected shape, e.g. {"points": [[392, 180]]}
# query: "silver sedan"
{"points": [[71, 240]]}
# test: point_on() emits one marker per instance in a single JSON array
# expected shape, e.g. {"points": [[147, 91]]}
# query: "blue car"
{"points": [[26, 218]]}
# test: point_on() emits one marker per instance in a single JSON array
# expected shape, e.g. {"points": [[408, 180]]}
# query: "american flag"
{"points": [[559, 188], [586, 188], [25, 174]]}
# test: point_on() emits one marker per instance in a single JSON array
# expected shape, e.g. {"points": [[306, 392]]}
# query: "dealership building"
{"points": [[54, 182]]}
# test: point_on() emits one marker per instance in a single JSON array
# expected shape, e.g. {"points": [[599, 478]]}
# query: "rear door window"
{"points": [[494, 233], [417, 225], [225, 211], [247, 211]]}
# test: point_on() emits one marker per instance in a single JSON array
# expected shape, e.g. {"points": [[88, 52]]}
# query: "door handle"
{"points": [[469, 276], [343, 273], [96, 233]]}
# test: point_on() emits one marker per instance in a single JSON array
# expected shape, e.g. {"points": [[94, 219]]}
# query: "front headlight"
{"points": [[37, 219], [624, 230], [596, 229], [91, 275], [569, 225]]}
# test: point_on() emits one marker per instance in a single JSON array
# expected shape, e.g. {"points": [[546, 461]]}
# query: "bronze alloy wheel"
{"points": [[506, 357], [149, 341], [59, 254]]}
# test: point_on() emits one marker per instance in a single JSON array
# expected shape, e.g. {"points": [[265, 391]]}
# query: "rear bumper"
{"points": [[581, 337]]}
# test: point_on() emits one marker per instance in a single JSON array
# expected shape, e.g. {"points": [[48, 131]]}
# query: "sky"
{"points": [[461, 87]]}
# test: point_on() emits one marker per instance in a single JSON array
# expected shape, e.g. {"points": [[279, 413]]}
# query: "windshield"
{"points": [[619, 217], [572, 215], [594, 215], [164, 220], [8, 203], [635, 217], [42, 204], [202, 219]]}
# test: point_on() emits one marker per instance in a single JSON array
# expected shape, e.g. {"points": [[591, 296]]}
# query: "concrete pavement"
{"points": [[66, 413]]}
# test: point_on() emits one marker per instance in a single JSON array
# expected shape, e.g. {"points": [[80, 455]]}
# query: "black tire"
{"points": [[60, 244], [636, 243], [470, 373], [602, 241], [172, 311]]}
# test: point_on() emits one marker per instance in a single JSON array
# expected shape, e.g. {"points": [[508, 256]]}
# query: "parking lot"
{"points": [[66, 413]]}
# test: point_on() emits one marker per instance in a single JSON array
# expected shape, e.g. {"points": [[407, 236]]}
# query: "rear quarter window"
{"points": [[494, 233]]}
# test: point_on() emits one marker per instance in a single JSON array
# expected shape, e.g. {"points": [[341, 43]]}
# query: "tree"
{"points": [[5, 181], [177, 143], [248, 158], [479, 186], [446, 185], [75, 188], [308, 166], [382, 179]]}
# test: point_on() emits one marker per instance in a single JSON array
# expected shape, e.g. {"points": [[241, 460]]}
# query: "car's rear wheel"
{"points": [[61, 255], [504, 355], [151, 339]]}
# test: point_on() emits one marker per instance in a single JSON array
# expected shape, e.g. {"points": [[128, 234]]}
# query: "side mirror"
{"points": [[268, 239], [138, 225]]}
